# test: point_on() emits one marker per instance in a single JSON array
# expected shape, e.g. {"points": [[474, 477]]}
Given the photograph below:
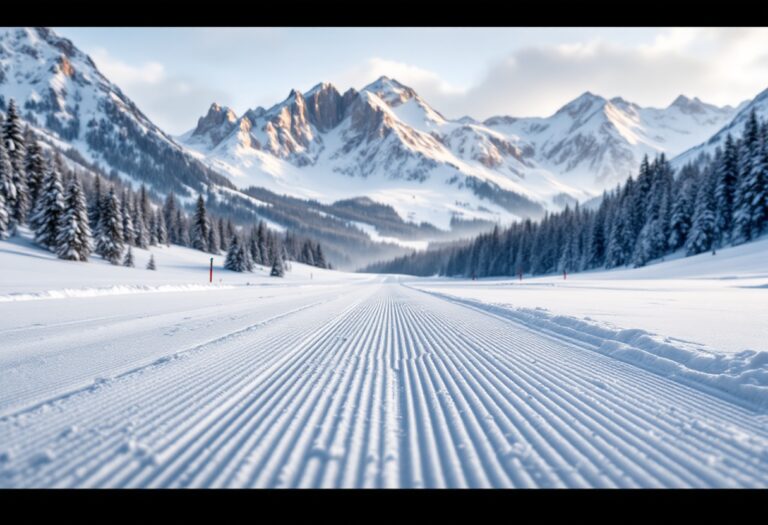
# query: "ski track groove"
{"points": [[379, 385]]}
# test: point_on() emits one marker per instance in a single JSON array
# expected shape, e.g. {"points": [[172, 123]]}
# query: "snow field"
{"points": [[380, 385]]}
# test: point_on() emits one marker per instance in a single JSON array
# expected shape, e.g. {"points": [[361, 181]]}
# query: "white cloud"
{"points": [[124, 74], [721, 66], [174, 103]]}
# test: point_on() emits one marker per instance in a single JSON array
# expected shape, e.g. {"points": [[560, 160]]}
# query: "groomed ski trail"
{"points": [[378, 385]]}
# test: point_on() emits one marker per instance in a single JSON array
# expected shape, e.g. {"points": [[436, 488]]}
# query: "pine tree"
{"points": [[151, 264], [3, 217], [751, 207], [253, 245], [128, 260], [238, 259], [748, 153], [223, 238], [213, 238], [152, 229], [200, 227], [182, 230], [169, 215], [247, 259], [307, 253], [7, 186], [141, 237], [129, 234], [94, 210], [48, 209], [162, 230], [110, 241], [13, 135], [261, 235], [703, 234], [320, 257], [144, 204], [74, 236], [277, 268], [725, 188], [617, 253], [34, 166]]}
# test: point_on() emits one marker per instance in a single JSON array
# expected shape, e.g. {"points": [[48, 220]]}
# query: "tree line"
{"points": [[74, 216], [717, 201]]}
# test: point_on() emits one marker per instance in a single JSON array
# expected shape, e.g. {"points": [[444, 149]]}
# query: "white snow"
{"points": [[717, 302], [330, 379]]}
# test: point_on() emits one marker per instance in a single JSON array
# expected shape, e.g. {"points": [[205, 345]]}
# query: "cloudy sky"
{"points": [[175, 74]]}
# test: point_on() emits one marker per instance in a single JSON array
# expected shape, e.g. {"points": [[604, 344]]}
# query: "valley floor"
{"points": [[349, 380]]}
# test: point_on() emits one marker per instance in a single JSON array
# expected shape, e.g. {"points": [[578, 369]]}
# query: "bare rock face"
{"points": [[216, 124], [325, 107]]}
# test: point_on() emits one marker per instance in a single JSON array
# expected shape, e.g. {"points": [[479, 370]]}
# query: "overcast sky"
{"points": [[174, 74]]}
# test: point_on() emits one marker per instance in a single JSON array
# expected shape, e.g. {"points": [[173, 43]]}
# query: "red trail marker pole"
{"points": [[210, 275]]}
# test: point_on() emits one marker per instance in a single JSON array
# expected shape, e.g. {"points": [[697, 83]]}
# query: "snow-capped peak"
{"points": [[217, 121], [690, 106], [390, 91]]}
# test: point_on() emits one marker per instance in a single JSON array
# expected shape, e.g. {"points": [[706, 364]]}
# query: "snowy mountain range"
{"points": [[387, 142], [64, 96], [379, 164]]}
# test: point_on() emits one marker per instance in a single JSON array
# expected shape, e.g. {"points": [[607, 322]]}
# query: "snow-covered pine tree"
{"points": [[751, 213], [129, 234], [230, 231], [182, 229], [748, 153], [320, 257], [151, 229], [34, 166], [213, 237], [681, 213], [94, 208], [110, 241], [3, 217], [617, 252], [727, 170], [247, 259], [703, 234], [199, 229], [48, 208], [598, 241], [169, 215], [74, 236], [7, 186], [128, 259], [261, 236], [277, 268], [252, 245], [144, 204], [162, 230], [307, 253], [151, 264], [13, 136], [223, 238], [141, 235], [235, 260]]}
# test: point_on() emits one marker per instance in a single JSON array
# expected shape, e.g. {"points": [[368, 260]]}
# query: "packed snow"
{"points": [[331, 379]]}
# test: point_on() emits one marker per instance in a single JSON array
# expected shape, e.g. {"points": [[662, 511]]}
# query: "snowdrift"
{"points": [[741, 376]]}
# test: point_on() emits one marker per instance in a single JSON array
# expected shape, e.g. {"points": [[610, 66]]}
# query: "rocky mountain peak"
{"points": [[216, 118], [689, 106], [390, 91]]}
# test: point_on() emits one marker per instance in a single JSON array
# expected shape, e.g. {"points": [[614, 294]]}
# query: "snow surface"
{"points": [[330, 379], [717, 302]]}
